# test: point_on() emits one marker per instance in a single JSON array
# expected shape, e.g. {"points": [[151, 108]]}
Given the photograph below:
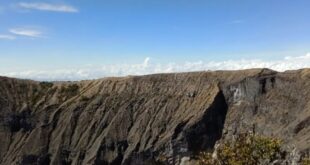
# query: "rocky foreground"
{"points": [[163, 118]]}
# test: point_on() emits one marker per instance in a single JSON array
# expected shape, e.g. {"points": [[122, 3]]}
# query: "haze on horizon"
{"points": [[74, 40]]}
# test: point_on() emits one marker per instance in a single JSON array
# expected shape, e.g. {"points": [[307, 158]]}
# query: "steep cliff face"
{"points": [[152, 119]]}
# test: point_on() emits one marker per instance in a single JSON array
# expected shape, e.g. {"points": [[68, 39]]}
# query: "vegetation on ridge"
{"points": [[244, 150], [69, 91]]}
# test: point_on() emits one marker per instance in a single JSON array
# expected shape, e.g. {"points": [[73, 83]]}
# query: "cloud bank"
{"points": [[147, 67], [48, 7]]}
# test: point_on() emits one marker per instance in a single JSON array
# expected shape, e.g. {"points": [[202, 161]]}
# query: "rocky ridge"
{"points": [[152, 119]]}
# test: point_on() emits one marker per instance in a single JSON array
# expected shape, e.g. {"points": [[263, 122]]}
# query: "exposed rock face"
{"points": [[163, 118]]}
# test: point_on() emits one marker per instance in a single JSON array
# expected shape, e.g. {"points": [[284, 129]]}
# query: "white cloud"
{"points": [[48, 7], [146, 62], [7, 37], [28, 32], [147, 67]]}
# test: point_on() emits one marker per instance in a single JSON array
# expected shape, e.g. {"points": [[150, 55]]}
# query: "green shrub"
{"points": [[305, 161], [246, 149], [205, 158]]}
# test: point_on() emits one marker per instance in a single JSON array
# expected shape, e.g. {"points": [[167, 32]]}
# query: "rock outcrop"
{"points": [[153, 119]]}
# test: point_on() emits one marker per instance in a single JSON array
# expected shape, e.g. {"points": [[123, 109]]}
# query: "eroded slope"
{"points": [[148, 119]]}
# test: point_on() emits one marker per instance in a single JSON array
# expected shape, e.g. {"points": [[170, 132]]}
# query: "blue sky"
{"points": [[38, 36]]}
